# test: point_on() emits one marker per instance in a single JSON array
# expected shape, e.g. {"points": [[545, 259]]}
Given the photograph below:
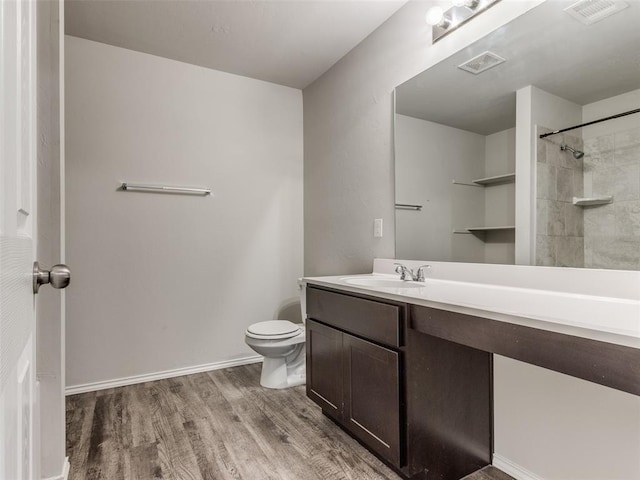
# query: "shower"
{"points": [[577, 154]]}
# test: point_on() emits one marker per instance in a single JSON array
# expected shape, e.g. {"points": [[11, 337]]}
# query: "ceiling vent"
{"points": [[481, 63], [592, 11]]}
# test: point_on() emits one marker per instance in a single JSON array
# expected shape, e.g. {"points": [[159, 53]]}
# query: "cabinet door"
{"points": [[325, 368], [372, 396]]}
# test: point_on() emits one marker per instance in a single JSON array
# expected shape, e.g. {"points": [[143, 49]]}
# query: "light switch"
{"points": [[377, 228]]}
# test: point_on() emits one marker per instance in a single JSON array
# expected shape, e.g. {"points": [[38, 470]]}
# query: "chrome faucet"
{"points": [[407, 274]]}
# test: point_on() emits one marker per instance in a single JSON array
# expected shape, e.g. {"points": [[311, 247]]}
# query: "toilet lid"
{"points": [[275, 329]]}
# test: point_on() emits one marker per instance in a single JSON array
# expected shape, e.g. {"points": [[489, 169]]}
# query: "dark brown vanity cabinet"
{"points": [[356, 380], [421, 401]]}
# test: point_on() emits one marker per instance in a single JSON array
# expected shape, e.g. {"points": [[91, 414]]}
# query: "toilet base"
{"points": [[278, 373]]}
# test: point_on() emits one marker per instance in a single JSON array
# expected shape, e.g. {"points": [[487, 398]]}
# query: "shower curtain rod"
{"points": [[624, 114]]}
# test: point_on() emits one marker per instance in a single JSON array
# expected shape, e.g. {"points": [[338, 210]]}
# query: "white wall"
{"points": [[562, 428], [428, 157], [349, 181], [611, 106], [166, 281]]}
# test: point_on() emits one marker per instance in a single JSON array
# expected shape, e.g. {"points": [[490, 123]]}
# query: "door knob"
{"points": [[59, 276]]}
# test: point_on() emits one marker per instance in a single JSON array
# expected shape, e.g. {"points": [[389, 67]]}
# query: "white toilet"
{"points": [[281, 343]]}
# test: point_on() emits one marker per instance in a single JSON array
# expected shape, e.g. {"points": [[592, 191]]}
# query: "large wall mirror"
{"points": [[474, 180]]}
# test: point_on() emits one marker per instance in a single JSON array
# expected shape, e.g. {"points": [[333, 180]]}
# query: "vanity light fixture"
{"points": [[444, 22]]}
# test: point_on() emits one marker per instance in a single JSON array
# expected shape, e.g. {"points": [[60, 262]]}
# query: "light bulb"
{"points": [[471, 4], [458, 3], [434, 15]]}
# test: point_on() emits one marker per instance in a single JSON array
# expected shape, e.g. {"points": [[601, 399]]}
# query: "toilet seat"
{"points": [[273, 330]]}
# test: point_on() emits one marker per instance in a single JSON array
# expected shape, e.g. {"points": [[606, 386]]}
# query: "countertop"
{"points": [[604, 317]]}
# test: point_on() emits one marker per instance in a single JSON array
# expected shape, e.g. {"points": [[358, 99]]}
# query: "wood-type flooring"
{"points": [[216, 425]]}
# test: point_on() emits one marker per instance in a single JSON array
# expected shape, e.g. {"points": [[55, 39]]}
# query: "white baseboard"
{"points": [[513, 469], [150, 377], [65, 471]]}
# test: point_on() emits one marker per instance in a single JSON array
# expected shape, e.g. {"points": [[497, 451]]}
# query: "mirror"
{"points": [[467, 140]]}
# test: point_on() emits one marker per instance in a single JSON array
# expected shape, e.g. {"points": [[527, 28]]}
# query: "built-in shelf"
{"points": [[591, 201], [486, 233], [408, 206], [491, 229], [484, 229], [496, 180], [488, 181]]}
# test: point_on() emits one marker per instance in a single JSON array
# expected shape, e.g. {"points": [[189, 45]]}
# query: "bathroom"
{"points": [[299, 168]]}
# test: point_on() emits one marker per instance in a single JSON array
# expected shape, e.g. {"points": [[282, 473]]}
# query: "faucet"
{"points": [[407, 272]]}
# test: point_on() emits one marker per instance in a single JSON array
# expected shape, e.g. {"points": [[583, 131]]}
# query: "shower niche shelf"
{"points": [[592, 201]]}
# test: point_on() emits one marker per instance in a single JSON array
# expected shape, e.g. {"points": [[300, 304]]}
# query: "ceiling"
{"points": [[546, 48], [285, 42]]}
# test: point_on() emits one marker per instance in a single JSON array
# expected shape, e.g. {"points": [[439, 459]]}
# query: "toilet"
{"points": [[282, 344]]}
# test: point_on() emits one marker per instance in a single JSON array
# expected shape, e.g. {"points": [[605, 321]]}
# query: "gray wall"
{"points": [[161, 281], [559, 223], [50, 340], [348, 141], [428, 157], [349, 181], [499, 200], [612, 167]]}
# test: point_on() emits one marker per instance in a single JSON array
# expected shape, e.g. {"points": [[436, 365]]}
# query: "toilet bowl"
{"points": [[281, 343]]}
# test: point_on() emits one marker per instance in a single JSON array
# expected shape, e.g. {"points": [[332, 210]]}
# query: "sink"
{"points": [[369, 281]]}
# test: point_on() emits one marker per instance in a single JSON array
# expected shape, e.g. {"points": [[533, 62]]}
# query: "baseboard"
{"points": [[150, 377], [513, 469], [65, 471]]}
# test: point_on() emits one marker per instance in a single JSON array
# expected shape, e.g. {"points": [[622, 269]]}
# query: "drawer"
{"points": [[377, 321]]}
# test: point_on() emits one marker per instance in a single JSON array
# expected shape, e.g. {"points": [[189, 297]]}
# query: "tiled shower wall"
{"points": [[612, 232], [560, 225]]}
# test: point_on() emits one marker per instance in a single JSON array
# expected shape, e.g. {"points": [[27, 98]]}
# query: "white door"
{"points": [[18, 396]]}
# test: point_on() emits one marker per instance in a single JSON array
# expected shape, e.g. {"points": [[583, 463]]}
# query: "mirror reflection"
{"points": [[474, 180]]}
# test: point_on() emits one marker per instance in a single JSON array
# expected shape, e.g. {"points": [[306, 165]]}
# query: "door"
{"points": [[324, 367], [18, 394]]}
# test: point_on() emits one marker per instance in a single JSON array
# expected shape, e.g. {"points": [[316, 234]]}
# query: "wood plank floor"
{"points": [[212, 426]]}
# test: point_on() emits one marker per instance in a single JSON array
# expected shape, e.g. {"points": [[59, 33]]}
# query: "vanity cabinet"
{"points": [[353, 367], [419, 401]]}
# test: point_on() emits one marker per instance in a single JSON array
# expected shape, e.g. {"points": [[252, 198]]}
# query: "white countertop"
{"points": [[579, 311]]}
